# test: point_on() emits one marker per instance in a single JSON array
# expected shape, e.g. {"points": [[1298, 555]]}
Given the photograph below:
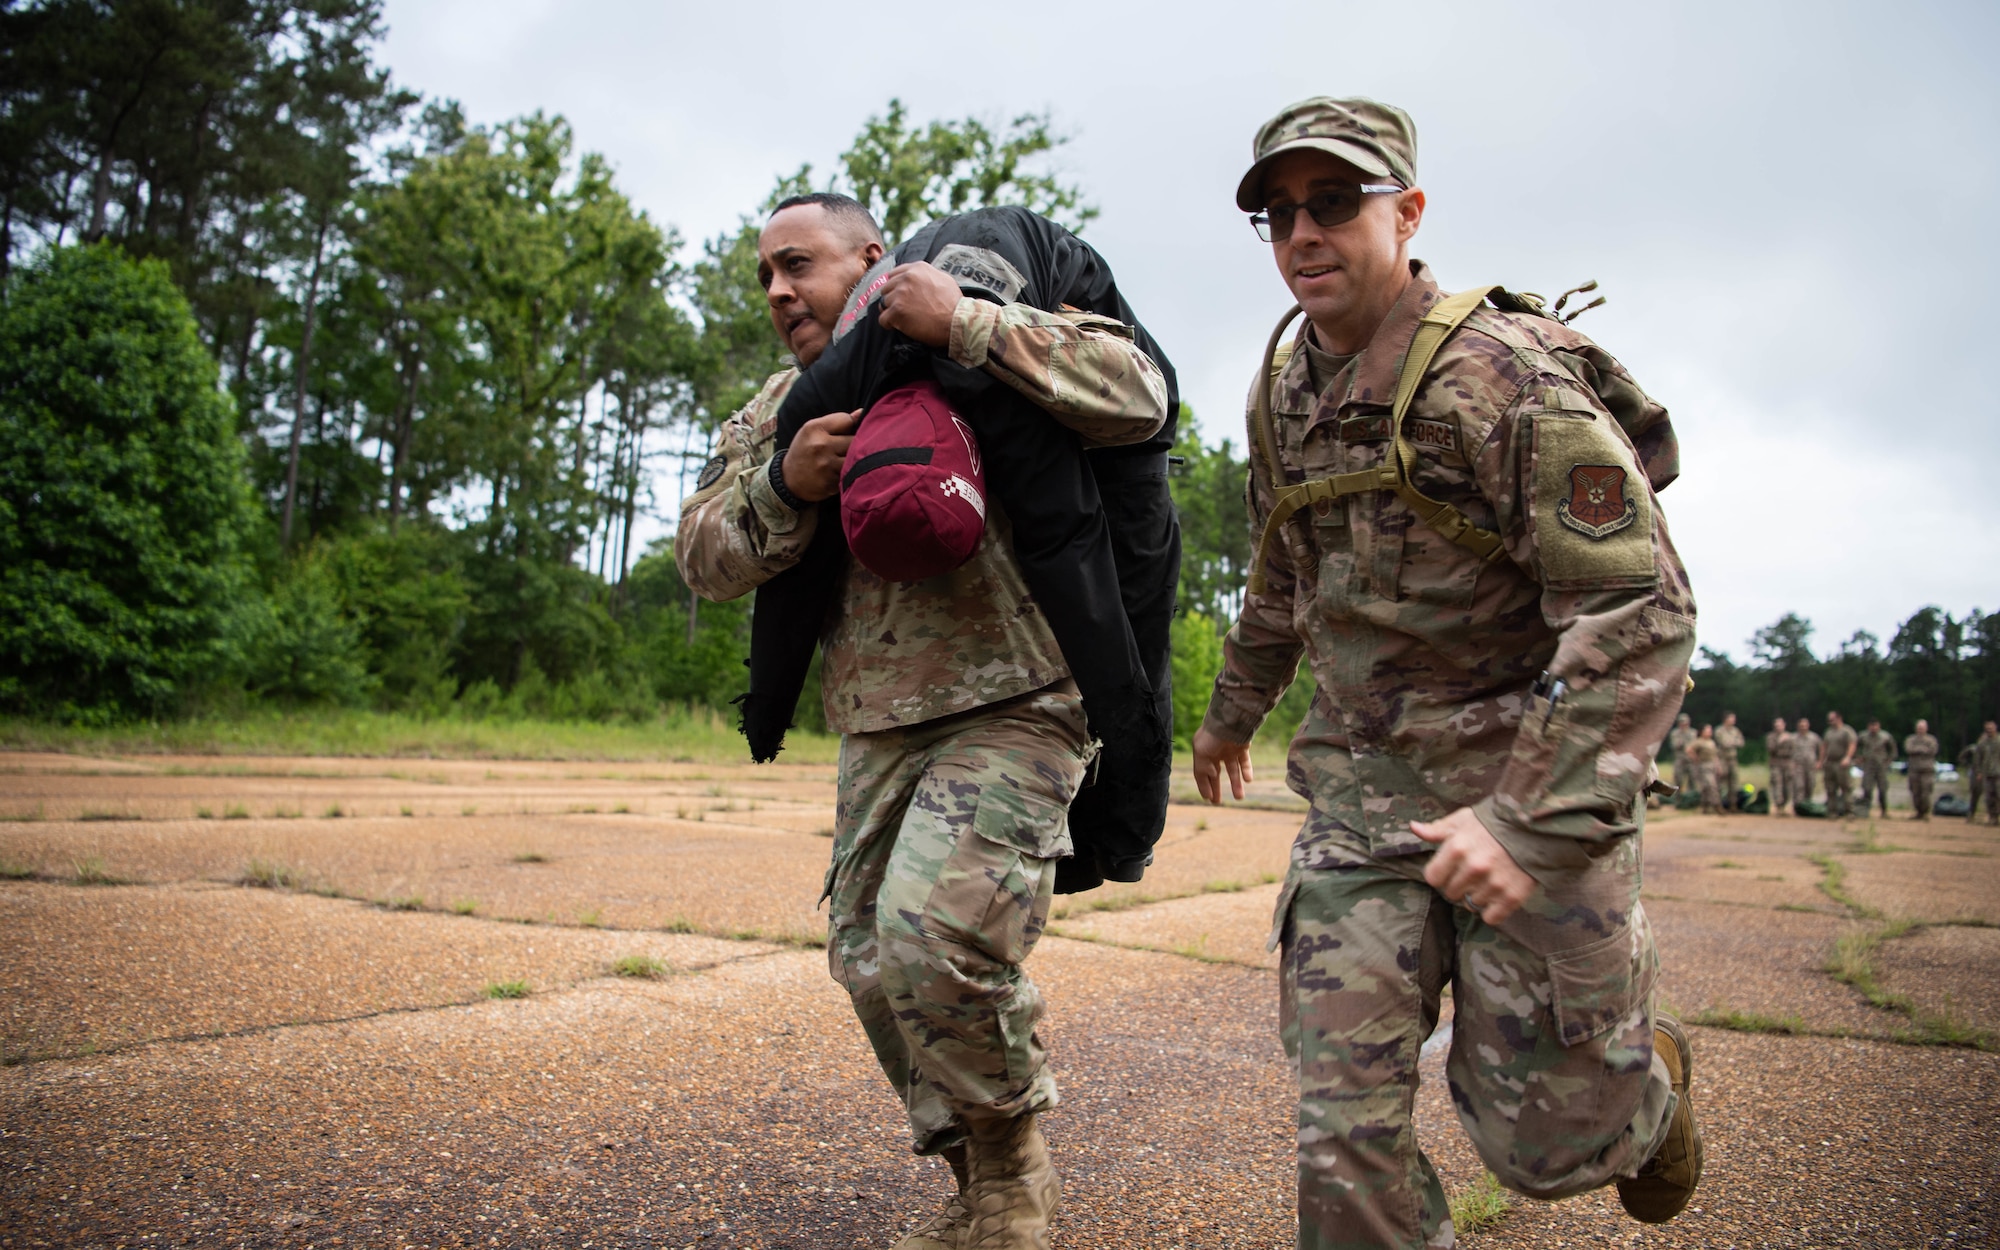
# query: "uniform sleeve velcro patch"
{"points": [[1593, 513], [981, 269], [710, 472]]}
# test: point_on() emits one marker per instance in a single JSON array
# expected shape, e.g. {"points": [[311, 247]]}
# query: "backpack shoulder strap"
{"points": [[1394, 473]]}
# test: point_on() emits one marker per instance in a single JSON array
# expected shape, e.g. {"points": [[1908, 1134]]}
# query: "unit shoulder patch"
{"points": [[1597, 507], [1593, 516], [710, 472]]}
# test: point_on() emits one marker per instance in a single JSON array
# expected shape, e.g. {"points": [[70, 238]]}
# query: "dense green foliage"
{"points": [[465, 371], [125, 512]]}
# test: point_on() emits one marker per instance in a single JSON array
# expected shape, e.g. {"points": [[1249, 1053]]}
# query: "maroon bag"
{"points": [[913, 497]]}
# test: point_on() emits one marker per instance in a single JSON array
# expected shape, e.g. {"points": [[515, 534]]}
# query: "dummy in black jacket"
{"points": [[1094, 530]]}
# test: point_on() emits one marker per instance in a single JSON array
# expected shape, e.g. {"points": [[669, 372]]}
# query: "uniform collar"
{"points": [[1372, 379]]}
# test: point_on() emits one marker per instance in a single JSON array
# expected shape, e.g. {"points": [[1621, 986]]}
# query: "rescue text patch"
{"points": [[984, 270]]}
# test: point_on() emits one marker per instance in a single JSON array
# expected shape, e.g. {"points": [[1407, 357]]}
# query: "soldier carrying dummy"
{"points": [[1461, 534], [965, 738]]}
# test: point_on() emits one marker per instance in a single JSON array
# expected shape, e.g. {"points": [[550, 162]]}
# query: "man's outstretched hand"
{"points": [[1211, 756], [1472, 868], [919, 299], [812, 466]]}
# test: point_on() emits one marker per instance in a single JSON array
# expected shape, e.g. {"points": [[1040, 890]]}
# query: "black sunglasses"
{"points": [[1328, 208]]}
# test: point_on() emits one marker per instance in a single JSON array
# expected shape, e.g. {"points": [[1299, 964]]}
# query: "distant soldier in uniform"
{"points": [[1877, 753], [1968, 768], [1778, 753], [1837, 765], [963, 736], [1807, 752], [1680, 739], [1728, 746], [1705, 759], [1482, 731], [1986, 773], [1921, 749]]}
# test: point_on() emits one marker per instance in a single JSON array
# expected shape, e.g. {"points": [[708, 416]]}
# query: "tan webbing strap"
{"points": [[1395, 472]]}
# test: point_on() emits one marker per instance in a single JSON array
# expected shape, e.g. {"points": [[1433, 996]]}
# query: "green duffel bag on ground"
{"points": [[1754, 802], [1814, 810], [1950, 805]]}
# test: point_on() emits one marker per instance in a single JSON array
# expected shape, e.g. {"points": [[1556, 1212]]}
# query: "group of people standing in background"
{"points": [[1706, 761]]}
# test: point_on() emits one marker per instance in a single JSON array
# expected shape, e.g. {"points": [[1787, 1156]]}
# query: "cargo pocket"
{"points": [[1019, 836], [1595, 987]]}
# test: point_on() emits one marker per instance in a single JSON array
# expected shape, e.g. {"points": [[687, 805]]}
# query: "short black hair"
{"points": [[850, 210]]}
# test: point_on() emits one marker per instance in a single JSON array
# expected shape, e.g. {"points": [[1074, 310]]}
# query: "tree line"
{"points": [[313, 391], [461, 368]]}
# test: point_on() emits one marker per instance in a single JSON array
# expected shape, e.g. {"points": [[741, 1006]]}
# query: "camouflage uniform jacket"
{"points": [[1838, 741], [1778, 746], [1922, 752], [899, 653], [1877, 747], [1986, 755], [1728, 741], [1682, 738], [1425, 656], [1806, 748]]}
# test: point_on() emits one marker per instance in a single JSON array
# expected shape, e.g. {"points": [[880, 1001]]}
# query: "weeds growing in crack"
{"points": [[592, 919], [507, 989], [531, 857], [464, 906], [90, 870], [236, 811], [267, 875], [409, 902], [639, 967], [1479, 1205], [21, 818], [1726, 1017], [1833, 884], [1853, 963]]}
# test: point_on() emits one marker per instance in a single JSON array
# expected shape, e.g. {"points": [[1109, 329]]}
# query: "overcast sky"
{"points": [[1792, 208]]}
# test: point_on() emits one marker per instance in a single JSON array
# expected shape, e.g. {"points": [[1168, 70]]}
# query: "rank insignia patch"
{"points": [[709, 472], [1597, 507]]}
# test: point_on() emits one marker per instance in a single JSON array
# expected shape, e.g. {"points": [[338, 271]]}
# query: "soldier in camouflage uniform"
{"points": [[1680, 740], [1705, 759], [1778, 753], [1837, 765], [1481, 732], [1986, 775], [1807, 751], [1728, 746], [1877, 752], [964, 739], [1921, 749]]}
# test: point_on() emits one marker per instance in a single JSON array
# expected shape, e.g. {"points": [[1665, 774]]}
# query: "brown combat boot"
{"points": [[946, 1230], [1663, 1186], [1013, 1188]]}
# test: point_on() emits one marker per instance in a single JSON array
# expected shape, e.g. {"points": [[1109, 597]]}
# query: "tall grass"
{"points": [[678, 733]]}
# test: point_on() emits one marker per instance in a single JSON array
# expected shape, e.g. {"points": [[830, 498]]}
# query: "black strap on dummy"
{"points": [[1094, 531]]}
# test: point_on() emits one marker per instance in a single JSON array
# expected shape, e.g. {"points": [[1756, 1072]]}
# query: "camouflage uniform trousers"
{"points": [[1985, 785], [1801, 781], [1839, 782], [1874, 786], [1923, 783], [1551, 1067], [946, 841], [1731, 777], [1781, 783], [1707, 780]]}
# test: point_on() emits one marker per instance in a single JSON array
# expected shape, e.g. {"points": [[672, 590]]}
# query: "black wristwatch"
{"points": [[784, 492]]}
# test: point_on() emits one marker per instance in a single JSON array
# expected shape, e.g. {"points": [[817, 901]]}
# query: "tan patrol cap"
{"points": [[1378, 139]]}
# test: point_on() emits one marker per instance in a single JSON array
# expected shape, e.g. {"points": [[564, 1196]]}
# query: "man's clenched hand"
{"points": [[919, 300], [1472, 868], [812, 466], [1211, 756]]}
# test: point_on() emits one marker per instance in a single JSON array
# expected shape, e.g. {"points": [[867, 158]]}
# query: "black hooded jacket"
{"points": [[1094, 529]]}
